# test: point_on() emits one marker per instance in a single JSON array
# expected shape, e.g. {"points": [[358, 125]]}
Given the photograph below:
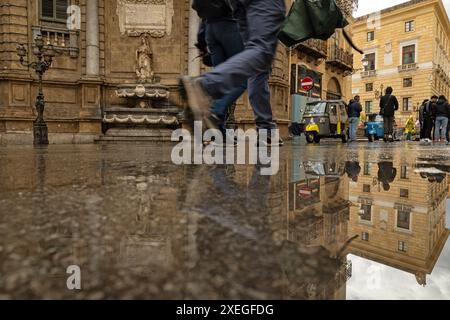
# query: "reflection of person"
{"points": [[353, 170], [386, 174]]}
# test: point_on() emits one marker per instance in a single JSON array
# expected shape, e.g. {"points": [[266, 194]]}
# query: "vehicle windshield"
{"points": [[317, 107]]}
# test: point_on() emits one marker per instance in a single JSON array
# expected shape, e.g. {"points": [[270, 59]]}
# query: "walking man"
{"points": [[354, 114], [388, 106], [263, 20], [224, 40]]}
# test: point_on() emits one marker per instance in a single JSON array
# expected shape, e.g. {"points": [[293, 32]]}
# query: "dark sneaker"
{"points": [[198, 101]]}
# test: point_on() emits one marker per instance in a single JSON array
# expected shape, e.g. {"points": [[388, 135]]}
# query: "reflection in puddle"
{"points": [[332, 226]]}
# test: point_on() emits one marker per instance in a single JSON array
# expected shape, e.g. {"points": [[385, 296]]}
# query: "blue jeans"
{"points": [[440, 130], [263, 20], [354, 122], [224, 41]]}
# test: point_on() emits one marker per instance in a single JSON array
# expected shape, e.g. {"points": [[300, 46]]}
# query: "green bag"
{"points": [[307, 19], [298, 26]]}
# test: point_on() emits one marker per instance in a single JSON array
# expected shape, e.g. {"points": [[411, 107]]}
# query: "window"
{"points": [[366, 188], [407, 82], [367, 168], [371, 62], [404, 172], [406, 104], [370, 36], [55, 10], [404, 193], [366, 212], [365, 236], [369, 87], [409, 26], [409, 54], [403, 219], [368, 107], [402, 246]]}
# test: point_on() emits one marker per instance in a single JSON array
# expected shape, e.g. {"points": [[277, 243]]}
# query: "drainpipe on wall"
{"points": [[194, 65]]}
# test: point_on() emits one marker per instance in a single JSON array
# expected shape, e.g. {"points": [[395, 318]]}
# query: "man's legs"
{"points": [[224, 41], [259, 96], [437, 130], [264, 20], [353, 128]]}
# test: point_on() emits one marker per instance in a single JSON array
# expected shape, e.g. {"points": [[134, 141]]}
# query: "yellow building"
{"points": [[402, 225], [407, 48]]}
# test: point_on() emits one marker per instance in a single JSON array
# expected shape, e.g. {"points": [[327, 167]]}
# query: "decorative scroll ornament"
{"points": [[138, 17], [145, 119]]}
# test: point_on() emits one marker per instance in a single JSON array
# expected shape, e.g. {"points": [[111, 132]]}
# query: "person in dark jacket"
{"points": [[441, 113], [386, 174], [388, 106], [354, 113], [427, 118], [421, 118]]}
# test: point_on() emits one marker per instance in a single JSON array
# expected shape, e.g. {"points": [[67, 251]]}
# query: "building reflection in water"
{"points": [[399, 213], [148, 229]]}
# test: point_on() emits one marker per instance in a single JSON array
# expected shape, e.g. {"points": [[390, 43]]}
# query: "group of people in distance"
{"points": [[434, 114]]}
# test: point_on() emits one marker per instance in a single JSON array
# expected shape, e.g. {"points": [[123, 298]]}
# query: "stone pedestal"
{"points": [[147, 117]]}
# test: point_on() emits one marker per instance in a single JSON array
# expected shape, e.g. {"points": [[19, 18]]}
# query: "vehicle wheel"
{"points": [[316, 138], [310, 137], [371, 138], [344, 138]]}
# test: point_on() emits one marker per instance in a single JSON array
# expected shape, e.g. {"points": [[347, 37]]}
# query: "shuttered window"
{"points": [[54, 10]]}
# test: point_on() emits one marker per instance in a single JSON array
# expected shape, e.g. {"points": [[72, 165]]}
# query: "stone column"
{"points": [[92, 39], [193, 64]]}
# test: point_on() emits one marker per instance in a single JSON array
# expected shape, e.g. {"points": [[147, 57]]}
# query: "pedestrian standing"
{"points": [[421, 118], [427, 118], [388, 106], [442, 112], [262, 20], [354, 113]]}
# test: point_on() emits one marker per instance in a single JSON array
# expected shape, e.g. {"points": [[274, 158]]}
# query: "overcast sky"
{"points": [[374, 281], [369, 6]]}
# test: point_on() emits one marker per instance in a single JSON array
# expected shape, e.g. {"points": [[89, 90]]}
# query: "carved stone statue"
{"points": [[144, 59]]}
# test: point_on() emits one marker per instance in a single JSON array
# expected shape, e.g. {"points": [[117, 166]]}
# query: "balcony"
{"points": [[314, 48], [368, 73], [408, 67], [62, 39], [340, 59]]}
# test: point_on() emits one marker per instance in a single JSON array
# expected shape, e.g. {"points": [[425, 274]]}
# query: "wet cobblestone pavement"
{"points": [[336, 222]]}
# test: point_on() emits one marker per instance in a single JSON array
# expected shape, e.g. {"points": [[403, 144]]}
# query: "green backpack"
{"points": [[312, 19]]}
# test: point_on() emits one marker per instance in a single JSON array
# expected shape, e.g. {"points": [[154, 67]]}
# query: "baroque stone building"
{"points": [[407, 47], [96, 43]]}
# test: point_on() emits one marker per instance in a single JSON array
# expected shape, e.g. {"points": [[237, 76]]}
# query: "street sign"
{"points": [[307, 84]]}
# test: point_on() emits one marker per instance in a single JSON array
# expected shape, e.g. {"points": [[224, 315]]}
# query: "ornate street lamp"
{"points": [[44, 61]]}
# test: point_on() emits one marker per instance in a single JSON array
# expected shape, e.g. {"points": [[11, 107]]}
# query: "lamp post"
{"points": [[44, 61]]}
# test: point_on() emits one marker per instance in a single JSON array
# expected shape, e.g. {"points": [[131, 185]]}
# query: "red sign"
{"points": [[307, 83]]}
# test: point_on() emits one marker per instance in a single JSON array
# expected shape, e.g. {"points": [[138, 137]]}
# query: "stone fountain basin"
{"points": [[142, 91]]}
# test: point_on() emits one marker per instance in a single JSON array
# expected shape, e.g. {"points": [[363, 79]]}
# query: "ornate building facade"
{"points": [[407, 48], [97, 45]]}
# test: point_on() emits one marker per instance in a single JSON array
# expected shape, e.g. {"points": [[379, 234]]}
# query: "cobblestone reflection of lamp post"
{"points": [[44, 61]]}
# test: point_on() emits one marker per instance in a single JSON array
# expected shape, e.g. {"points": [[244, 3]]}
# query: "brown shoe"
{"points": [[198, 101]]}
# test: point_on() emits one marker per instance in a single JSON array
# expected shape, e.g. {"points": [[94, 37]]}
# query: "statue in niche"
{"points": [[144, 59]]}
